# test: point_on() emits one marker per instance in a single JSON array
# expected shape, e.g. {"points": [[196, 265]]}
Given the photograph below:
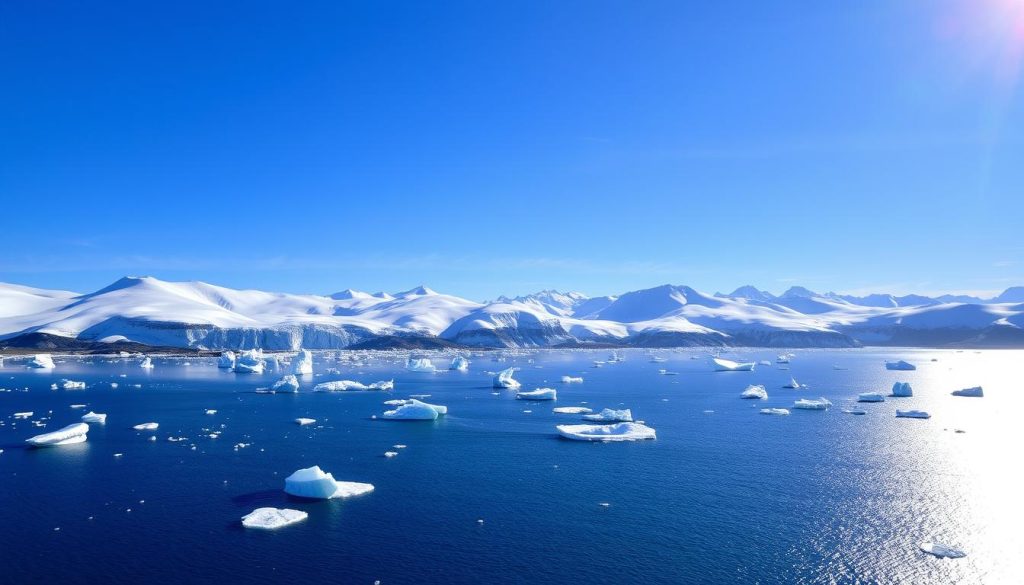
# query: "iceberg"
{"points": [[538, 394], [912, 414], [857, 411], [571, 410], [313, 483], [305, 421], [623, 431], [69, 435], [150, 426], [72, 385], [415, 410], [147, 363], [900, 365], [272, 518], [975, 392], [942, 551], [724, 365], [93, 417], [755, 392], [459, 364], [811, 404], [870, 397], [420, 365], [250, 362], [777, 411], [42, 361], [611, 415], [289, 383], [344, 385], [572, 380], [902, 390], [23, 415], [505, 380], [226, 360], [303, 363], [793, 384]]}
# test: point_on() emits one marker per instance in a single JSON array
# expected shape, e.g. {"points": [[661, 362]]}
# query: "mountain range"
{"points": [[150, 312]]}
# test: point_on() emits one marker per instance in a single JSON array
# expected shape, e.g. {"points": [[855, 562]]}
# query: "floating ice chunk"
{"points": [[623, 431], [571, 410], [272, 518], [572, 379], [505, 380], [812, 404], [902, 390], [724, 365], [784, 358], [69, 435], [41, 361], [538, 394], [459, 364], [72, 385], [912, 414], [857, 411], [305, 421], [420, 365], [226, 360], [793, 384], [94, 417], [303, 363], [390, 454], [77, 406], [942, 551], [271, 363], [287, 384], [23, 415], [764, 363], [756, 392], [611, 415], [150, 426], [312, 482], [344, 385], [900, 365], [778, 411], [975, 392], [211, 411], [147, 363], [415, 410], [397, 402], [250, 362], [870, 397]]}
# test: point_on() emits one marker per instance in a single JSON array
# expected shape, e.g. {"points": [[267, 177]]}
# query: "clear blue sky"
{"points": [[502, 147]]}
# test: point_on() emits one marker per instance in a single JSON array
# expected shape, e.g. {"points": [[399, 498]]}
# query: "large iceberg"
{"points": [[812, 404], [611, 415], [272, 518], [912, 414], [94, 417], [870, 397], [420, 365], [415, 410], [303, 363], [459, 364], [41, 361], [505, 380], [344, 385], [756, 392], [250, 362], [900, 365], [288, 383], [901, 390], [312, 482], [69, 435], [226, 360], [975, 392], [724, 365], [624, 431], [538, 394]]}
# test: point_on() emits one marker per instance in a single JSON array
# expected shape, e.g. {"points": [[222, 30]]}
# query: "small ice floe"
{"points": [[303, 363], [312, 482], [249, 362], [572, 379], [72, 385], [975, 392], [724, 365], [784, 358], [415, 410], [611, 415], [459, 364], [755, 392], [211, 411], [571, 410], [149, 426], [226, 360], [623, 431], [504, 379], [857, 411], [69, 435], [272, 518], [901, 390], [346, 385], [538, 394], [812, 404], [764, 363], [113, 385], [870, 397], [423, 365], [390, 454], [23, 415], [288, 384], [94, 417], [147, 363], [668, 373], [419, 396], [777, 411], [399, 446], [942, 551], [900, 365], [792, 384], [76, 406], [305, 421], [53, 386], [41, 361], [912, 414]]}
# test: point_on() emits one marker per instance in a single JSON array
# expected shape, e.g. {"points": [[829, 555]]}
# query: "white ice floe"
{"points": [[812, 404], [778, 411], [900, 365], [76, 406], [72, 385], [287, 384], [345, 385], [611, 415], [756, 392], [624, 431], [912, 414], [272, 518], [250, 362], [415, 410], [942, 551], [94, 417], [147, 363], [858, 411], [538, 394], [459, 364], [572, 379], [41, 361], [505, 380], [226, 360], [69, 435], [305, 421], [390, 454], [303, 363], [975, 392], [423, 365], [571, 410], [23, 415], [724, 365], [150, 426], [870, 397], [211, 411], [902, 390], [312, 482], [792, 384]]}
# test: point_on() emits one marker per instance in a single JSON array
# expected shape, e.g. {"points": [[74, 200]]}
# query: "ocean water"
{"points": [[724, 495]]}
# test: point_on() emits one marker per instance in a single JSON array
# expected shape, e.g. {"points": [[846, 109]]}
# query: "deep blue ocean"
{"points": [[724, 495]]}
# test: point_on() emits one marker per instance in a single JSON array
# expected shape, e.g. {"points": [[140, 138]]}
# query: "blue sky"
{"points": [[504, 147]]}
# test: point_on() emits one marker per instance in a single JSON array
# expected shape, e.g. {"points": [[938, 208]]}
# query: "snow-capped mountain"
{"points": [[153, 312]]}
